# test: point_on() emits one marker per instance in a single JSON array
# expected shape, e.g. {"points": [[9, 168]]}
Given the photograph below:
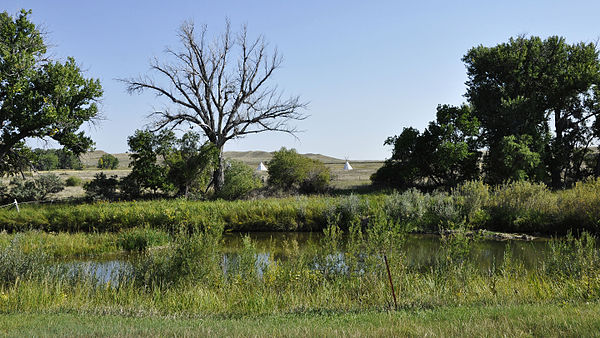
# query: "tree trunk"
{"points": [[597, 169], [219, 174], [557, 153]]}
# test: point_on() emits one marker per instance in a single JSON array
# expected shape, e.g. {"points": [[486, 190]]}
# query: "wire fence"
{"points": [[16, 204]]}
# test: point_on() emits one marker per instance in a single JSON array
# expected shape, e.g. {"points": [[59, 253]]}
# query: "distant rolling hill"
{"points": [[90, 159]]}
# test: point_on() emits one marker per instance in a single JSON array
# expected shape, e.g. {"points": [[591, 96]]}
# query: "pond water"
{"points": [[420, 252]]}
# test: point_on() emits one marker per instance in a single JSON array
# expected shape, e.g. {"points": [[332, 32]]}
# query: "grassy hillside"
{"points": [[90, 159], [341, 179], [252, 158]]}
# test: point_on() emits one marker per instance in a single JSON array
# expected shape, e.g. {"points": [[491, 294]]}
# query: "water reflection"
{"points": [[420, 251]]}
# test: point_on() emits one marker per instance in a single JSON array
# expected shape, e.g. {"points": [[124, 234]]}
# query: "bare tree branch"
{"points": [[221, 86]]}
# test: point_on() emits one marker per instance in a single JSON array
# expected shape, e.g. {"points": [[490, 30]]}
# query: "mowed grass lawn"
{"points": [[577, 320]]}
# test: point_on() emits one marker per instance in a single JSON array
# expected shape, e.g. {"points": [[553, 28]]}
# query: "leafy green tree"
{"points": [[518, 161], [39, 98], [445, 154], [190, 166], [289, 170], [68, 160], [162, 162], [146, 172], [108, 161], [102, 187], [240, 179], [542, 91], [45, 159]]}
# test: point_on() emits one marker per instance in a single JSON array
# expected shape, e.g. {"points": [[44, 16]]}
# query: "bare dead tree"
{"points": [[221, 86]]}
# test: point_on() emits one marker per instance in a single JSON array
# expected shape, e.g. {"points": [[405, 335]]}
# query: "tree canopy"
{"points": [[39, 97], [543, 95], [533, 107], [445, 154]]}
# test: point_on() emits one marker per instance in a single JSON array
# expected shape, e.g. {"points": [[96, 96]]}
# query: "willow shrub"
{"points": [[511, 207]]}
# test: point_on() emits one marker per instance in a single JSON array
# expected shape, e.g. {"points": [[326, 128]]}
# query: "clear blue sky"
{"points": [[367, 68]]}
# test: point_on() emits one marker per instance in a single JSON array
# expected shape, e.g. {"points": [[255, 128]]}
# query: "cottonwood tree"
{"points": [[221, 86], [39, 97], [541, 96]]}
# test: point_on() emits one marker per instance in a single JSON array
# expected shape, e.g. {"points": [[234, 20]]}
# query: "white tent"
{"points": [[347, 166], [261, 167]]}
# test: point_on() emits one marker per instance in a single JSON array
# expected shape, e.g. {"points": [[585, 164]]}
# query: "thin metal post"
{"points": [[391, 283]]}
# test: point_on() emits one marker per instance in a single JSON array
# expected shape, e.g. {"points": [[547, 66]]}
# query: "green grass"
{"points": [[305, 292], [62, 245], [582, 320], [516, 207]]}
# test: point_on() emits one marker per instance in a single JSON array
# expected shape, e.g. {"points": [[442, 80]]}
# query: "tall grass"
{"points": [[512, 207], [192, 277]]}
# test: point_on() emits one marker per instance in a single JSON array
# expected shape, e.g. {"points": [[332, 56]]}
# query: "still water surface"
{"points": [[420, 252]]}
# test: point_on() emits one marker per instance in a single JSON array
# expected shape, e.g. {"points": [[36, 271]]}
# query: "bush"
{"points": [[441, 212], [471, 198], [101, 187], [523, 206], [349, 209], [193, 257], [580, 205], [73, 181], [289, 170], [108, 161], [239, 181], [407, 207], [36, 189]]}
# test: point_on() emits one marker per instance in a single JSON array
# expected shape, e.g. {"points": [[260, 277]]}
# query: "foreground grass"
{"points": [[522, 320]]}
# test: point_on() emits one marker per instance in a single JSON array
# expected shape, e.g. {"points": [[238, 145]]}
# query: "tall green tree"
{"points": [[541, 91], [39, 97], [445, 154], [146, 173]]}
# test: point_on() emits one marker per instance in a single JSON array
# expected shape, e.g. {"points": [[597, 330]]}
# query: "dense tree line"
{"points": [[531, 113], [52, 159]]}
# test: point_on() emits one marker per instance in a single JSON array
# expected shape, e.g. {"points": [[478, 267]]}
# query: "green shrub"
{"points": [[140, 239], [441, 212], [239, 181], [579, 207], [289, 170], [573, 257], [348, 209], [471, 198], [193, 257], [36, 189], [101, 187], [523, 206], [408, 207], [73, 181]]}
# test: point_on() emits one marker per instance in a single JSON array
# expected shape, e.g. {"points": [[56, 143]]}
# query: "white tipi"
{"points": [[347, 166], [261, 167]]}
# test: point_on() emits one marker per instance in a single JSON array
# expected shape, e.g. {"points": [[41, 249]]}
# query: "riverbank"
{"points": [[548, 320], [519, 207]]}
